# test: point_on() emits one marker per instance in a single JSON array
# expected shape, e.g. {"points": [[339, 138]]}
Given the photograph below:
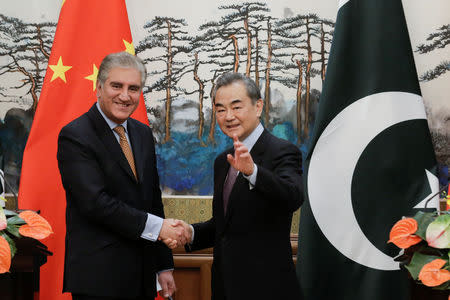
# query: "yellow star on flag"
{"points": [[129, 47], [64, 1], [93, 76], [59, 70]]}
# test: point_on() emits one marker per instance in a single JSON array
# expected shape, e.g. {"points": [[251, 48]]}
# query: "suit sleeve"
{"points": [[204, 235], [84, 181], [282, 183]]}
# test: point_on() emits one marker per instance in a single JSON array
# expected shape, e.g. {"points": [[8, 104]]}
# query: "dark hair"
{"points": [[228, 78], [121, 60]]}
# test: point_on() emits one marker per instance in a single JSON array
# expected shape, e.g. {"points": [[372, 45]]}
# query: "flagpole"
{"points": [[432, 196]]}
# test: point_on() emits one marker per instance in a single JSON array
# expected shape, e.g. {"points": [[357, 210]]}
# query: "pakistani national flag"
{"points": [[370, 160]]}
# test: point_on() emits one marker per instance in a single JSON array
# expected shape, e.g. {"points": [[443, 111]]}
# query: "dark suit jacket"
{"points": [[107, 209], [252, 250]]}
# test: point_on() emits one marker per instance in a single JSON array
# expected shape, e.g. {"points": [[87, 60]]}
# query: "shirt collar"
{"points": [[111, 123], [250, 141]]}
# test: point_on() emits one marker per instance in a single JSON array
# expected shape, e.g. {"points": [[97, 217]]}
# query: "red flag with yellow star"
{"points": [[86, 32]]}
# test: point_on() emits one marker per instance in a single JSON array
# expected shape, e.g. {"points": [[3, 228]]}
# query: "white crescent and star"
{"points": [[340, 146]]}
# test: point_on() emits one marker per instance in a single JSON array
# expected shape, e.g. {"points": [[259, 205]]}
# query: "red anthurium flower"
{"points": [[5, 255], [432, 274], [37, 227], [402, 234]]}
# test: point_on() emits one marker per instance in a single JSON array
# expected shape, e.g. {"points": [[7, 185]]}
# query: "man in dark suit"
{"points": [[114, 213], [257, 187]]}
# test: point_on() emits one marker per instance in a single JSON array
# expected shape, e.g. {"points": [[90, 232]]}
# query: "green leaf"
{"points": [[11, 243], [438, 232], [423, 220], [16, 220], [417, 262], [9, 213], [13, 229]]}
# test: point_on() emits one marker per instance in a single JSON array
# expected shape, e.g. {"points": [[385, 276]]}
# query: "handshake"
{"points": [[175, 233]]}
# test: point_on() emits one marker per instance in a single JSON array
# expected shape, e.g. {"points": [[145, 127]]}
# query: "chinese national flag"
{"points": [[87, 31]]}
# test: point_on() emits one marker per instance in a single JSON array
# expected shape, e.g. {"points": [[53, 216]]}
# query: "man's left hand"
{"points": [[242, 160], [167, 283]]}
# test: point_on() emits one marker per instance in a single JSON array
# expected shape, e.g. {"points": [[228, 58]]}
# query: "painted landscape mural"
{"points": [[285, 54], [278, 54]]}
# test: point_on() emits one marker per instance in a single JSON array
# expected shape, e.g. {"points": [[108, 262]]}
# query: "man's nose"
{"points": [[124, 94], [229, 115]]}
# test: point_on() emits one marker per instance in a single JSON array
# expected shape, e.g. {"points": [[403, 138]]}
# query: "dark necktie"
{"points": [[126, 148], [228, 186]]}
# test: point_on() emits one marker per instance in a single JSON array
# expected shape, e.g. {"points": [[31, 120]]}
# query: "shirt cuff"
{"points": [[252, 178], [152, 228], [165, 270], [193, 232]]}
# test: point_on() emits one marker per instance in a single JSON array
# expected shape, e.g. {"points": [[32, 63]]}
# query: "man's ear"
{"points": [[98, 89], [259, 107]]}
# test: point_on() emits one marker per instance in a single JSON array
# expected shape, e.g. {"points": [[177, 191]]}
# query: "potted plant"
{"points": [[425, 243], [15, 225]]}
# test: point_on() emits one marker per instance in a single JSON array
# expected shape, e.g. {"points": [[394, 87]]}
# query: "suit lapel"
{"points": [[108, 139], [257, 151]]}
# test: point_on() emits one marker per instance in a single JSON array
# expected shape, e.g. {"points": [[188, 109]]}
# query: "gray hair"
{"points": [[228, 78], [121, 60]]}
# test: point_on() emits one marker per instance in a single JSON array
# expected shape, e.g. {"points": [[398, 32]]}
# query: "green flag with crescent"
{"points": [[370, 159]]}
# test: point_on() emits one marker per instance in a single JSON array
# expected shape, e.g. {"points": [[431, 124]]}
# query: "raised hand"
{"points": [[242, 160]]}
